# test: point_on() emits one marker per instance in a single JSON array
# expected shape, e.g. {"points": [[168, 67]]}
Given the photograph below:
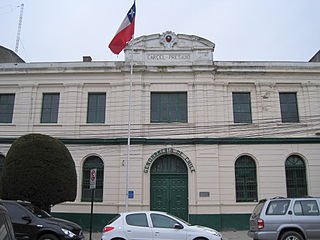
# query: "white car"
{"points": [[148, 225]]}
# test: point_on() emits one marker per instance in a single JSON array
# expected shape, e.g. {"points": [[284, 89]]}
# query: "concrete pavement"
{"points": [[227, 235], [235, 235]]}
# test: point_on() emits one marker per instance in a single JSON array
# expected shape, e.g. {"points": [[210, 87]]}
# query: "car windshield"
{"points": [[36, 211]]}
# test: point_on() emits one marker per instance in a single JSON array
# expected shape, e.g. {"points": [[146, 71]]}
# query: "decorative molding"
{"points": [[181, 141], [168, 39], [168, 151]]}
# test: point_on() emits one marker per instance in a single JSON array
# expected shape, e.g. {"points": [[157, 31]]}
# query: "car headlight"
{"points": [[68, 233], [213, 232]]}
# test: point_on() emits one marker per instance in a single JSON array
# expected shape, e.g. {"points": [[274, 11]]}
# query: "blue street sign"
{"points": [[130, 194]]}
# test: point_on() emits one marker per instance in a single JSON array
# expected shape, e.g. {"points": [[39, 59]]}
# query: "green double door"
{"points": [[169, 186]]}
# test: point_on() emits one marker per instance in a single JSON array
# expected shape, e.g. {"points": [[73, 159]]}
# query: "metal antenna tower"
{"points": [[19, 28]]}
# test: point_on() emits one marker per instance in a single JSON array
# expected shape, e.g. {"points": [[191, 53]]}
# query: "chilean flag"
{"points": [[125, 32]]}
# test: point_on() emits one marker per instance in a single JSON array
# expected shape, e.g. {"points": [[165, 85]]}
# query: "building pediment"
{"points": [[169, 48]]}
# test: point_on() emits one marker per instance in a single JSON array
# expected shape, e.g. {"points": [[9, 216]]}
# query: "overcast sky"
{"points": [[66, 30]]}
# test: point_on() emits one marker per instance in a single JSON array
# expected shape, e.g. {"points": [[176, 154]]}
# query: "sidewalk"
{"points": [[229, 235], [235, 235]]}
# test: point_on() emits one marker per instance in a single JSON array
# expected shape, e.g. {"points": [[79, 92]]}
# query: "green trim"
{"points": [[83, 219], [179, 141], [215, 221], [221, 221]]}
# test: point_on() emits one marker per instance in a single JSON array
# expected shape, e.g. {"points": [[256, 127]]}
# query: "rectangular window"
{"points": [[289, 107], [278, 207], [241, 107], [137, 219], [169, 107], [306, 208], [6, 107], [50, 107], [96, 107]]}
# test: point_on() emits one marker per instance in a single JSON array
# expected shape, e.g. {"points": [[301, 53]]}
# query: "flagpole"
{"points": [[129, 127], [124, 38]]}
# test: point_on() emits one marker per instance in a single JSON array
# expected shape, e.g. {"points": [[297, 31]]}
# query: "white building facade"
{"points": [[208, 138]]}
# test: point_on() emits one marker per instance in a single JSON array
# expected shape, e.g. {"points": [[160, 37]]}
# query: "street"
{"points": [[227, 235]]}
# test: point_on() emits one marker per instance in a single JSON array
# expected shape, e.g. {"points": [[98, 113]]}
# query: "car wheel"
{"points": [[291, 236], [48, 237]]}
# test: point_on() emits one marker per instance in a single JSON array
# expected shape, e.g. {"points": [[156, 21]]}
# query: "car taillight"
{"points": [[107, 229], [260, 223]]}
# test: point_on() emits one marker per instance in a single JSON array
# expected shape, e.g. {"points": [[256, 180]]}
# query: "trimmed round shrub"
{"points": [[39, 169]]}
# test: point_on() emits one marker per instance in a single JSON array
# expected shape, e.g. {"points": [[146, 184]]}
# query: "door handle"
{"points": [[129, 231]]}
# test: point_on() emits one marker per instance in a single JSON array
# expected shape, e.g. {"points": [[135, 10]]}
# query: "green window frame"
{"points": [[246, 179], [169, 164], [241, 107], [289, 107], [50, 107], [6, 107], [167, 107], [96, 108], [92, 162], [296, 177]]}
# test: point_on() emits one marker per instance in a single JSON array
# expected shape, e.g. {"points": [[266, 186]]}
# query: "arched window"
{"points": [[1, 164], [296, 177], [246, 179], [92, 162]]}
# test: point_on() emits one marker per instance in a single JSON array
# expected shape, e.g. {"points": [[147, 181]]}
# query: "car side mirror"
{"points": [[178, 226], [290, 212], [27, 218]]}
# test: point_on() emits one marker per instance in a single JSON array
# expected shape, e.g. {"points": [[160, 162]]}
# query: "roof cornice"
{"points": [[124, 67]]}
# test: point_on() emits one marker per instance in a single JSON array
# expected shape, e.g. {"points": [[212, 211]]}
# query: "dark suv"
{"points": [[286, 219], [31, 223], [6, 230]]}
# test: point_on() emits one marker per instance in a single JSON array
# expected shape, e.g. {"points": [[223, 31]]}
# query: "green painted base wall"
{"points": [[221, 221], [217, 221], [83, 219]]}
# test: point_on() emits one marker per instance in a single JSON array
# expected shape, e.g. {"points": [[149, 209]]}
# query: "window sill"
{"points": [[8, 124], [94, 124], [79, 203], [292, 123], [244, 124], [169, 123], [47, 125], [247, 201]]}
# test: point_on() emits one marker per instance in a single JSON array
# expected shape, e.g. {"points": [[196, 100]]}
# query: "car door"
{"points": [[307, 215], [166, 228], [136, 227], [21, 219]]}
